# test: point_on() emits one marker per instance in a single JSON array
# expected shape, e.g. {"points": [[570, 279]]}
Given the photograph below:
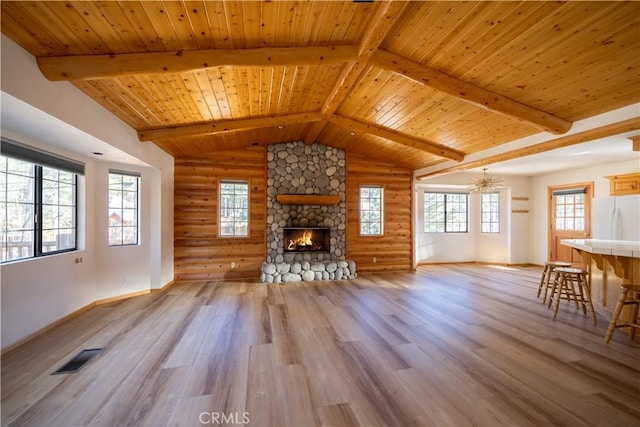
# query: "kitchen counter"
{"points": [[627, 248], [610, 263]]}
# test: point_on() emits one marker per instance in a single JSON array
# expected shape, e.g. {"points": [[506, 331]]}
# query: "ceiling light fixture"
{"points": [[486, 183], [280, 126], [352, 133]]}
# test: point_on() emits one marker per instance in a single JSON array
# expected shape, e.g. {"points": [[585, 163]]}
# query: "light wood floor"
{"points": [[446, 345]]}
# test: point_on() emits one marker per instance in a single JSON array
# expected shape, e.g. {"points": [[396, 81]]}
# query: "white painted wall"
{"points": [[510, 246], [492, 247], [37, 292], [440, 247], [625, 226], [519, 224], [523, 237]]}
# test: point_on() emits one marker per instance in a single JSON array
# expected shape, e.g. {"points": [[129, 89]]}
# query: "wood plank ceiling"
{"points": [[414, 83]]}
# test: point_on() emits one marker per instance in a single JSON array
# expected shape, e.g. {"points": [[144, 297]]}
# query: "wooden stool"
{"points": [[630, 295], [545, 280], [571, 284]]}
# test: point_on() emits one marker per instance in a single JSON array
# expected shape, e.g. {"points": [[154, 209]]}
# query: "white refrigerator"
{"points": [[616, 218]]}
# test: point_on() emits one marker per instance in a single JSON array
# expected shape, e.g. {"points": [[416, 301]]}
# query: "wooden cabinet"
{"points": [[620, 185]]}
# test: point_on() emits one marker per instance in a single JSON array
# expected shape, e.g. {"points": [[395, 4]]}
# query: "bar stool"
{"points": [[630, 295], [545, 280], [571, 284]]}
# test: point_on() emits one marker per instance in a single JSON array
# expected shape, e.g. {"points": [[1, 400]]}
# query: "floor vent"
{"points": [[78, 362]]}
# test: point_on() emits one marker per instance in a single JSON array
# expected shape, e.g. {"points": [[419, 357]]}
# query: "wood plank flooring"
{"points": [[445, 345]]}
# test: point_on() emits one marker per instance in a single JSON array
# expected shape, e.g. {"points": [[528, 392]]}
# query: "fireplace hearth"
{"points": [[311, 239]]}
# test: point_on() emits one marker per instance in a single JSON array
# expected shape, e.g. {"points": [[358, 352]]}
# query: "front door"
{"points": [[569, 218]]}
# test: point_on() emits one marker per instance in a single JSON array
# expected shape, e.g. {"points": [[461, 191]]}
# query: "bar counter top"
{"points": [[626, 248]]}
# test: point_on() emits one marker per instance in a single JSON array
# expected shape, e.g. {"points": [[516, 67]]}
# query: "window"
{"points": [[58, 209], [38, 203], [17, 202], [569, 212], [371, 211], [234, 208], [445, 212], [123, 208], [490, 221]]}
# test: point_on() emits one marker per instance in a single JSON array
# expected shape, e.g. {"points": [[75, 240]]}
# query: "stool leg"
{"points": [[634, 319], [579, 282], [553, 289], [564, 287], [572, 280], [544, 279], [547, 284], [614, 317], [587, 292]]}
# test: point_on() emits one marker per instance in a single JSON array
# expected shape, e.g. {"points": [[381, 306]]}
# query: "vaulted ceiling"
{"points": [[413, 83]]}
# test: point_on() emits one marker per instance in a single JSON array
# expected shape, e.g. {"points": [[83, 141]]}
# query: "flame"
{"points": [[304, 240]]}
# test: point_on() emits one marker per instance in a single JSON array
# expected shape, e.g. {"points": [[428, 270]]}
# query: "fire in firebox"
{"points": [[306, 239]]}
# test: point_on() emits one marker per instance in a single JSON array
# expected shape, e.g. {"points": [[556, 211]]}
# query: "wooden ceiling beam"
{"points": [[636, 142], [89, 67], [213, 128], [397, 137], [468, 92], [377, 30], [565, 141]]}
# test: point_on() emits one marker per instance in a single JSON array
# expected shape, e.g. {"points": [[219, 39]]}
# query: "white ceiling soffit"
{"points": [[24, 119], [602, 151]]}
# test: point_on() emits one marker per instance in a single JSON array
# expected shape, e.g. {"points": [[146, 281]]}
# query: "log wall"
{"points": [[394, 249], [199, 253]]}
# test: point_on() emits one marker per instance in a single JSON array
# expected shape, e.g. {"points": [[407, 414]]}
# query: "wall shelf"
{"points": [[308, 199]]}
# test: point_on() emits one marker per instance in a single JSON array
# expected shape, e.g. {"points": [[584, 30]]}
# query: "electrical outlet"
{"points": [[375, 260], [233, 265], [78, 260]]}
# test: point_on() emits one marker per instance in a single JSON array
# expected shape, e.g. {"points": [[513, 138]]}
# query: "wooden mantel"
{"points": [[308, 199]]}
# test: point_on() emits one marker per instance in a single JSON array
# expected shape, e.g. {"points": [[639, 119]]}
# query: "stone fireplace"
{"points": [[295, 168]]}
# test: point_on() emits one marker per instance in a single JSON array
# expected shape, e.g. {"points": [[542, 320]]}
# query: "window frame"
{"points": [[137, 208], [490, 203], [37, 220], [445, 212], [380, 212], [220, 207]]}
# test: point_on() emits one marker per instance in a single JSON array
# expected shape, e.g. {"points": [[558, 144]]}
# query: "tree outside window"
{"points": [[371, 211], [490, 222], [17, 208], [446, 212], [234, 208], [123, 209], [37, 209]]}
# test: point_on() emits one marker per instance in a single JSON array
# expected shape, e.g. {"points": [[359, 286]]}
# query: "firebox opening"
{"points": [[307, 239]]}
